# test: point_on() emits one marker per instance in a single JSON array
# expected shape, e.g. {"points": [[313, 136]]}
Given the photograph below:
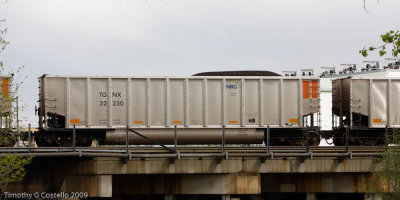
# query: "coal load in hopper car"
{"points": [[244, 102]]}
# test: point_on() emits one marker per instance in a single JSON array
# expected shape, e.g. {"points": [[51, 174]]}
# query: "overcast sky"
{"points": [[183, 37]]}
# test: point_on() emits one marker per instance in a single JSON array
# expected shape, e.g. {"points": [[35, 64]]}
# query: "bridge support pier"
{"points": [[371, 196], [157, 177], [226, 197], [94, 185], [311, 196], [170, 197], [218, 184]]}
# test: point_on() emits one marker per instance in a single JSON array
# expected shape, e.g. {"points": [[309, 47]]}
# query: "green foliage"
{"points": [[11, 169], [11, 166], [391, 38], [388, 168], [3, 41], [6, 138]]}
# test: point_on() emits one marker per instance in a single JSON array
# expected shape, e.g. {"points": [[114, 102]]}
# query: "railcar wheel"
{"points": [[84, 142], [338, 140], [315, 141]]}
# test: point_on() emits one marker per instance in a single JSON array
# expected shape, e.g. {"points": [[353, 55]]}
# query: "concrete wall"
{"points": [[105, 177]]}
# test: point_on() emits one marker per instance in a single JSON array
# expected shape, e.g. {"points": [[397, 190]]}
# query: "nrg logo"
{"points": [[232, 86]]}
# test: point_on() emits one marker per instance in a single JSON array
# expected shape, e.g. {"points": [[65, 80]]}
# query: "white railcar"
{"points": [[367, 106], [198, 105]]}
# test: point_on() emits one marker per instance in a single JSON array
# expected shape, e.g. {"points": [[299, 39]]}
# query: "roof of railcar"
{"points": [[238, 73]]}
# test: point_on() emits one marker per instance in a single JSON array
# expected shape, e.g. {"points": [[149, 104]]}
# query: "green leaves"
{"points": [[396, 52], [12, 168], [390, 38], [363, 52], [388, 167], [3, 42], [387, 38]]}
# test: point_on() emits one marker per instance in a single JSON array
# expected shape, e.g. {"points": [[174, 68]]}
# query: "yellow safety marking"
{"points": [[138, 122], [378, 121], [74, 121], [176, 122], [233, 122], [294, 121]]}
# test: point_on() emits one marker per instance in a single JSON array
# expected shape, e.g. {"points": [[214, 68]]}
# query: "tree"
{"points": [[11, 166], [390, 38], [12, 169], [5, 137], [388, 168]]}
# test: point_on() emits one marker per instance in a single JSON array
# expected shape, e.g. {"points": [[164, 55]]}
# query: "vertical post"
{"points": [[169, 197], [56, 118], [73, 139], [306, 120], [268, 138], [307, 140], [311, 196], [127, 138], [17, 117], [341, 103], [347, 139], [29, 137], [175, 139], [386, 137], [223, 138]]}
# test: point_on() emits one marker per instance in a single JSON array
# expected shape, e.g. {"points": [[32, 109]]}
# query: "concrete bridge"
{"points": [[239, 177]]}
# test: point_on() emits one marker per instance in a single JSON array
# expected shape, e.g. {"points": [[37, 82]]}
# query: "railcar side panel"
{"points": [[395, 102], [367, 102], [289, 101], [360, 93], [78, 102], [55, 96], [379, 110], [192, 102], [118, 102], [214, 102], [196, 103], [233, 99], [137, 100], [252, 103], [177, 101], [271, 106], [99, 102], [157, 102]]}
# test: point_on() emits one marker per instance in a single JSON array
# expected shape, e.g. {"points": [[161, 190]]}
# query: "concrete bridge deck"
{"points": [[113, 177]]}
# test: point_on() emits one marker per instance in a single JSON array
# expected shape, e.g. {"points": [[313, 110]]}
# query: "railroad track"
{"points": [[198, 151]]}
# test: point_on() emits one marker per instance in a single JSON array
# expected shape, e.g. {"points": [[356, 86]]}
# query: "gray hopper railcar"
{"points": [[199, 106], [368, 106]]}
